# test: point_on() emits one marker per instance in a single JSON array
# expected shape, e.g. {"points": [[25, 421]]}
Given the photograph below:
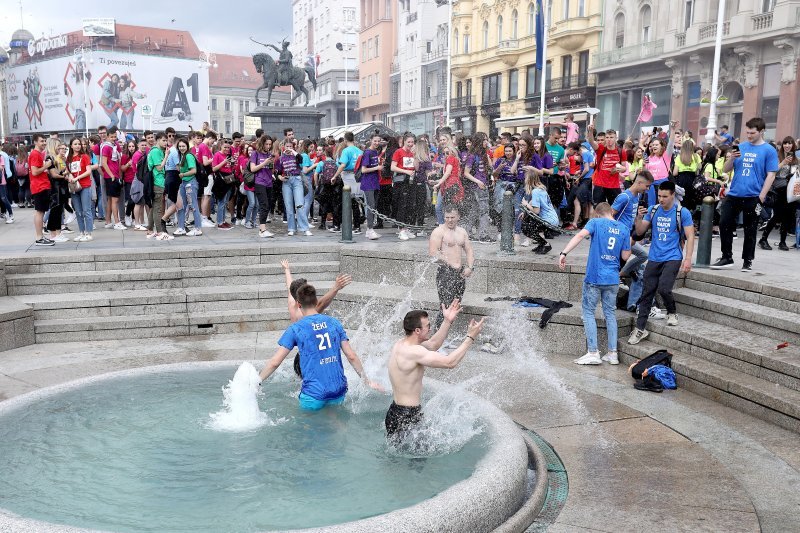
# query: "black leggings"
{"points": [[659, 277], [533, 228], [265, 199], [783, 213]]}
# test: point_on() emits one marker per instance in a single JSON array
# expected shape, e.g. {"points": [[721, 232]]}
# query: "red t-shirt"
{"points": [[603, 176], [403, 159], [40, 182], [129, 174], [200, 151], [111, 153], [78, 165], [454, 179]]}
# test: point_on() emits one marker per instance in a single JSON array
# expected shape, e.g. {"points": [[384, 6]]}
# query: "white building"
{"points": [[317, 27], [419, 70]]}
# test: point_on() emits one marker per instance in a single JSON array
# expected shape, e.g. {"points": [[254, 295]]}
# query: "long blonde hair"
{"points": [[422, 152], [687, 152], [52, 147], [533, 181]]}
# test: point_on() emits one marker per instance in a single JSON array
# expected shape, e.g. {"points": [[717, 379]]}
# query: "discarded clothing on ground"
{"points": [[553, 306]]}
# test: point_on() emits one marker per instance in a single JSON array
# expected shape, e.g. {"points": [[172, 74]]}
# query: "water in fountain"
{"points": [[240, 403]]}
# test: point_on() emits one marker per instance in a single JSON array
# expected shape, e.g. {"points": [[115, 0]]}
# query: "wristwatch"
{"points": [[563, 253]]}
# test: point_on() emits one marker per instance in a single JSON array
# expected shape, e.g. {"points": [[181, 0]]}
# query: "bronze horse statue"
{"points": [[267, 67]]}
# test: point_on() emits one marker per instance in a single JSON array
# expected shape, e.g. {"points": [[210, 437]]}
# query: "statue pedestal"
{"points": [[305, 121]]}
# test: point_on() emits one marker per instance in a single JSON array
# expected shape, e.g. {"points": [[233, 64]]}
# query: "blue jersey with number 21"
{"points": [[318, 338]]}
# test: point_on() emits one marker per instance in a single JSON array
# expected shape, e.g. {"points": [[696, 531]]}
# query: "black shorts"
{"points": [[401, 418], [41, 201], [172, 184], [604, 194], [581, 191], [113, 188]]}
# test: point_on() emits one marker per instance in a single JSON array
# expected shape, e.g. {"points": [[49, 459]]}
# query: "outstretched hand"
{"points": [[475, 327], [285, 264], [377, 386], [451, 312], [562, 262], [342, 281]]}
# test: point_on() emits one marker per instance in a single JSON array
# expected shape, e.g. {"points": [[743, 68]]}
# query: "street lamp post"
{"points": [[712, 113], [80, 59], [346, 30]]}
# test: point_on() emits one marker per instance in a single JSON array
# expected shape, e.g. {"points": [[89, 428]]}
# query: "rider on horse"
{"points": [[284, 62]]}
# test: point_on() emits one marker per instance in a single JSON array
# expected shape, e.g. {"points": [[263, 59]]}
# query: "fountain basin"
{"points": [[476, 494]]}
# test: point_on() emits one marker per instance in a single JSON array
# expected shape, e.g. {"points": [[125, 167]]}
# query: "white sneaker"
{"points": [[290, 233], [403, 235], [411, 234], [88, 237], [611, 358], [165, 237], [657, 314], [120, 227], [489, 348], [525, 243], [638, 335], [9, 219], [70, 218], [590, 358], [178, 232], [265, 234], [60, 238], [672, 319], [420, 234], [194, 233], [108, 226], [372, 234], [128, 221], [208, 224], [14, 204], [308, 233]]}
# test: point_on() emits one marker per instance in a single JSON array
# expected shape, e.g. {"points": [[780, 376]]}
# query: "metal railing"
{"points": [[680, 39], [461, 102], [508, 44], [709, 31], [629, 53], [762, 22], [434, 55], [433, 101], [567, 82]]}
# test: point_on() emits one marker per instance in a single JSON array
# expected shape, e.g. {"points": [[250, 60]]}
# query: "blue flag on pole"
{"points": [[539, 35]]}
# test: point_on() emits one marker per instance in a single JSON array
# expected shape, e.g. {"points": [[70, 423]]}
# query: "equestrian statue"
{"points": [[282, 72]]}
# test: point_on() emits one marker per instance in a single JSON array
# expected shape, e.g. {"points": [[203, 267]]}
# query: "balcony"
{"points": [[462, 102], [680, 39], [709, 31], [435, 55], [566, 83], [394, 67], [508, 45], [437, 100], [629, 54], [762, 22]]}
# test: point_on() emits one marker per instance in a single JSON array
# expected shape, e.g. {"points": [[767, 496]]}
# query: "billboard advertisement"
{"points": [[99, 27], [108, 89]]}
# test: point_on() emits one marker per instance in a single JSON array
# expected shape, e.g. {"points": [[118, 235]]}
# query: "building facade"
{"points": [[419, 67], [317, 28], [496, 84], [673, 62], [377, 47]]}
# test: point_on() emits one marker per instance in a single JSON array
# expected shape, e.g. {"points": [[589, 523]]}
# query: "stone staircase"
{"points": [[162, 294]]}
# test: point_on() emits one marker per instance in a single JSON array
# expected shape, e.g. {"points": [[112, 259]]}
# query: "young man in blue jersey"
{"points": [[610, 242], [624, 208], [320, 339], [667, 255]]}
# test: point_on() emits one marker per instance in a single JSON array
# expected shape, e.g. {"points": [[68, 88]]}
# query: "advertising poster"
{"points": [[61, 94]]}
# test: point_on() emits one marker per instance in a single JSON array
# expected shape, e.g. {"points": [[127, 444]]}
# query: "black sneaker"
{"points": [[782, 246], [747, 266], [722, 262], [542, 249], [44, 242], [764, 245]]}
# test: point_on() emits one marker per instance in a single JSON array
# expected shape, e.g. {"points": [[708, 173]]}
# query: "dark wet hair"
{"points": [[413, 320], [307, 296], [296, 284]]}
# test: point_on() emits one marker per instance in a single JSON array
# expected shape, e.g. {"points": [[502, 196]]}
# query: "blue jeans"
{"points": [[636, 288], [607, 295], [310, 403], [100, 186], [126, 120], [188, 192], [82, 204], [293, 203], [252, 207], [308, 201], [4, 200], [221, 203]]}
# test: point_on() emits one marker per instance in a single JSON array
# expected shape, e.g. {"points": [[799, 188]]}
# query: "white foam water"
{"points": [[240, 401]]}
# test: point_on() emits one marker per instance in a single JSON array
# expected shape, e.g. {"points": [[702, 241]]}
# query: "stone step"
{"points": [[729, 347], [781, 300], [149, 326], [758, 397], [166, 278], [160, 301], [743, 316]]}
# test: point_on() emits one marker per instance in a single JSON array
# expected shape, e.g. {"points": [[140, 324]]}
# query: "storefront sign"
{"points": [[578, 97], [45, 44]]}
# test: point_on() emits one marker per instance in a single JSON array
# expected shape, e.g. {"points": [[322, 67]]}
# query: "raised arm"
{"points": [[434, 359], [590, 137], [449, 314], [355, 362], [342, 281]]}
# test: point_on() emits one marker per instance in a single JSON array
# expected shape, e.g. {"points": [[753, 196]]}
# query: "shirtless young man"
{"points": [[445, 245], [409, 358]]}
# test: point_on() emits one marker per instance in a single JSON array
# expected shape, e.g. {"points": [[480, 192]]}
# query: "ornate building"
{"points": [[377, 47], [495, 83]]}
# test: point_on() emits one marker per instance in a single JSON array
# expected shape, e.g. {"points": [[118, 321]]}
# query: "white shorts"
{"points": [[349, 178], [207, 190]]}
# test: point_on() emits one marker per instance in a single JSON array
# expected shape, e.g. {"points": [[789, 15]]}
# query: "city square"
{"points": [[441, 193]]}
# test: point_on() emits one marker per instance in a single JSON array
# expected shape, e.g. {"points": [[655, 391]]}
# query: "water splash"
{"points": [[240, 403]]}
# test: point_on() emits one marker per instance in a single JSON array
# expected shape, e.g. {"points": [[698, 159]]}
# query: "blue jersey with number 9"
{"points": [[609, 239], [318, 338]]}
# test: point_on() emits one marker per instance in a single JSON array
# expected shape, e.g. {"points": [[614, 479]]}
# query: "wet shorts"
{"points": [[172, 183], [401, 418], [312, 404], [113, 188]]}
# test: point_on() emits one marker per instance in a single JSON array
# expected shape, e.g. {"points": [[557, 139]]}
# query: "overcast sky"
{"points": [[223, 31]]}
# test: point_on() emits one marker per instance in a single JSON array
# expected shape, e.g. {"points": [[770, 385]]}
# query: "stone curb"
{"points": [[524, 517]]}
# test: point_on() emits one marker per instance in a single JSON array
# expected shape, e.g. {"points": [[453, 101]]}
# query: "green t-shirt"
{"points": [[154, 158], [188, 163], [556, 152], [691, 167]]}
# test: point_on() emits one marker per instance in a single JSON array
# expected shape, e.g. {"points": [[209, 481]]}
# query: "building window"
{"points": [[455, 38], [499, 29], [459, 89], [770, 97], [581, 8], [513, 84], [349, 15], [213, 104], [227, 105], [485, 34], [466, 43], [566, 10], [241, 106], [767, 6], [688, 14], [247, 106], [583, 68], [363, 87], [215, 125], [491, 89], [227, 127], [530, 80], [387, 11], [514, 23], [534, 79], [241, 125], [377, 84], [619, 31], [363, 51], [377, 46], [566, 71], [469, 89], [646, 23], [531, 18]]}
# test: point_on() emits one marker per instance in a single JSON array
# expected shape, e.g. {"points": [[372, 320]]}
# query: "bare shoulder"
{"points": [[437, 232], [461, 233]]}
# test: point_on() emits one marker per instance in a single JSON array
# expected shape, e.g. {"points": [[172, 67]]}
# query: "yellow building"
{"points": [[495, 84]]}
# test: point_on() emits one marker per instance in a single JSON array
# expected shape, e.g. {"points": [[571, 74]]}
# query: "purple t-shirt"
{"points": [[545, 161], [369, 180], [477, 168], [505, 173], [287, 165], [263, 176], [421, 174]]}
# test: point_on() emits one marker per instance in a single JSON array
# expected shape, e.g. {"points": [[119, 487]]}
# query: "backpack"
{"points": [[654, 372], [682, 235], [357, 168], [21, 167], [2, 170], [144, 176], [329, 168]]}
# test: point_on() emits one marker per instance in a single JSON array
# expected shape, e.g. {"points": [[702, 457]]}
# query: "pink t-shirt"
{"points": [[658, 166], [219, 157], [572, 132], [136, 158], [200, 151], [110, 152]]}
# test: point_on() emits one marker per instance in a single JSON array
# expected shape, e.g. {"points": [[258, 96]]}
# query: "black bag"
{"points": [[247, 176], [229, 179], [661, 357]]}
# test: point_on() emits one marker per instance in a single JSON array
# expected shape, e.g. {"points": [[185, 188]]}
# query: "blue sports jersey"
{"points": [[318, 338], [751, 168], [626, 204], [609, 239], [665, 245]]}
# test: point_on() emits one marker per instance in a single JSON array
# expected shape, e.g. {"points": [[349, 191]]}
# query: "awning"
{"points": [[580, 114], [361, 131]]}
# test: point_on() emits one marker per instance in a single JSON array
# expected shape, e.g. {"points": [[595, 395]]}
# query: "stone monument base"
{"points": [[305, 121]]}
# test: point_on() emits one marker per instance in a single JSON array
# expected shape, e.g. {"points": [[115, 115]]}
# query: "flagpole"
{"points": [[546, 6]]}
